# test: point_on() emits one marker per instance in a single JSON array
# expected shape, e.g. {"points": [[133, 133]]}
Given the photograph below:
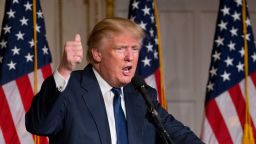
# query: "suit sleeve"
{"points": [[177, 131], [47, 110]]}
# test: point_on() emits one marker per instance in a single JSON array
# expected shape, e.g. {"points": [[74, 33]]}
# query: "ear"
{"points": [[96, 54]]}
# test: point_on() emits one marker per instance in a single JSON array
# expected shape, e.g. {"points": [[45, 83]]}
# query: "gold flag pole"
{"points": [[37, 138], [110, 7], [248, 133]]}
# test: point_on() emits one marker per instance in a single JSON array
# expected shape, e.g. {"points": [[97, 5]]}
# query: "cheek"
{"points": [[136, 58], [136, 55]]}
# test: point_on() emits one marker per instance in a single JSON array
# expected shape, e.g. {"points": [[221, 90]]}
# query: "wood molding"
{"points": [[110, 7]]}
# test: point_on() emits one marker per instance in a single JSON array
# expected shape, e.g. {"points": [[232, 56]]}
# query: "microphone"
{"points": [[140, 85]]}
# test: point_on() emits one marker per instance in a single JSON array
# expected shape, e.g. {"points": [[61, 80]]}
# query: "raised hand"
{"points": [[72, 55]]}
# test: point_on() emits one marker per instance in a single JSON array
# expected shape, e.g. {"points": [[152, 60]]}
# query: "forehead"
{"points": [[125, 41], [117, 39], [124, 36]]}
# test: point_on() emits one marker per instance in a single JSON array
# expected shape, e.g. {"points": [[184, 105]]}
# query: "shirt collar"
{"points": [[104, 86]]}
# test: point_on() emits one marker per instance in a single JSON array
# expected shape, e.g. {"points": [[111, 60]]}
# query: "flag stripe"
{"points": [[158, 85], [216, 122], [154, 81], [43, 140], [145, 15], [17, 62], [252, 100], [252, 93], [8, 129], [1, 137], [226, 82], [17, 111], [151, 81], [229, 114], [39, 79], [253, 78], [208, 135], [42, 73], [25, 91], [239, 102], [46, 70]]}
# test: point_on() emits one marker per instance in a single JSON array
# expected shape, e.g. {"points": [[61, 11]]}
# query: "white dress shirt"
{"points": [[107, 94]]}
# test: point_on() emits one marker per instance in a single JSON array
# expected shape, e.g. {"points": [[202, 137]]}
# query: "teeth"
{"points": [[126, 70]]}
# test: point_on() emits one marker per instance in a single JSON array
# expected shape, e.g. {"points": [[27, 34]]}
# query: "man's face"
{"points": [[117, 58]]}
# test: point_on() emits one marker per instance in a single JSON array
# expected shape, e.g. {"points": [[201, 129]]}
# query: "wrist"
{"points": [[64, 71]]}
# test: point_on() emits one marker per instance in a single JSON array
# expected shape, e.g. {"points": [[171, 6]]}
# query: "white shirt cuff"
{"points": [[60, 81]]}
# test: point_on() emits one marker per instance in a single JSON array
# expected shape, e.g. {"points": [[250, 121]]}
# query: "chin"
{"points": [[126, 81]]}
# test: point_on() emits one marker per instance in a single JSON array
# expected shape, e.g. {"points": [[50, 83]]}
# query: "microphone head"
{"points": [[137, 82]]}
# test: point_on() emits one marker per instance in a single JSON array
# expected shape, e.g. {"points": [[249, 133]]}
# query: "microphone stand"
{"points": [[160, 128], [139, 84], [155, 116]]}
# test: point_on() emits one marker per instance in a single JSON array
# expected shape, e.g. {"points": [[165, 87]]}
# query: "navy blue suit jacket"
{"points": [[78, 115]]}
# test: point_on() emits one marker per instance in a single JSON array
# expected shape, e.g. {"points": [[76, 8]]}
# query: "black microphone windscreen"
{"points": [[137, 82]]}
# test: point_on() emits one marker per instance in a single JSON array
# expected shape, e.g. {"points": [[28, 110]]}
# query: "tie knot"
{"points": [[116, 91]]}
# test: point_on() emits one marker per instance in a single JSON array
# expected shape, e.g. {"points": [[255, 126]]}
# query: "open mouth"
{"points": [[127, 70]]}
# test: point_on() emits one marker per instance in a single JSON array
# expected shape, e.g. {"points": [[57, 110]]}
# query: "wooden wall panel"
{"points": [[187, 30]]}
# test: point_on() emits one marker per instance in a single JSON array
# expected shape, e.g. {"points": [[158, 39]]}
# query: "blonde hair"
{"points": [[109, 26]]}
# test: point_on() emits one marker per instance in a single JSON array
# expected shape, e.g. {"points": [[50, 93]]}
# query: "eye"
{"points": [[119, 49], [135, 49]]}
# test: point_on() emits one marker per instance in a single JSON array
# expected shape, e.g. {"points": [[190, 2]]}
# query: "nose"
{"points": [[129, 55]]}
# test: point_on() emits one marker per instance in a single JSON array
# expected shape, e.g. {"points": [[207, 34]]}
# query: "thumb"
{"points": [[77, 38]]}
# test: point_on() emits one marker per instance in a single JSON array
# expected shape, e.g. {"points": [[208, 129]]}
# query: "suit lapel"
{"points": [[135, 109], [135, 114], [95, 103]]}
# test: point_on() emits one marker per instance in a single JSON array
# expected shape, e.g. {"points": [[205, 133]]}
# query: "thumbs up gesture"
{"points": [[72, 55]]}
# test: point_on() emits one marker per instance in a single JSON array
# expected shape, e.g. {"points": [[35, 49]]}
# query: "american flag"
{"points": [[143, 12], [225, 104], [17, 68]]}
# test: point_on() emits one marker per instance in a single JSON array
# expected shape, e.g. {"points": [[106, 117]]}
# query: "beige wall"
{"points": [[187, 30], [65, 18]]}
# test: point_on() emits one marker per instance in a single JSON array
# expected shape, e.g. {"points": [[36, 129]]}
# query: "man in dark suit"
{"points": [[82, 106]]}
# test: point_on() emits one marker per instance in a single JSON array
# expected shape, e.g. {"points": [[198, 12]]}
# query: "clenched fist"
{"points": [[72, 55]]}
